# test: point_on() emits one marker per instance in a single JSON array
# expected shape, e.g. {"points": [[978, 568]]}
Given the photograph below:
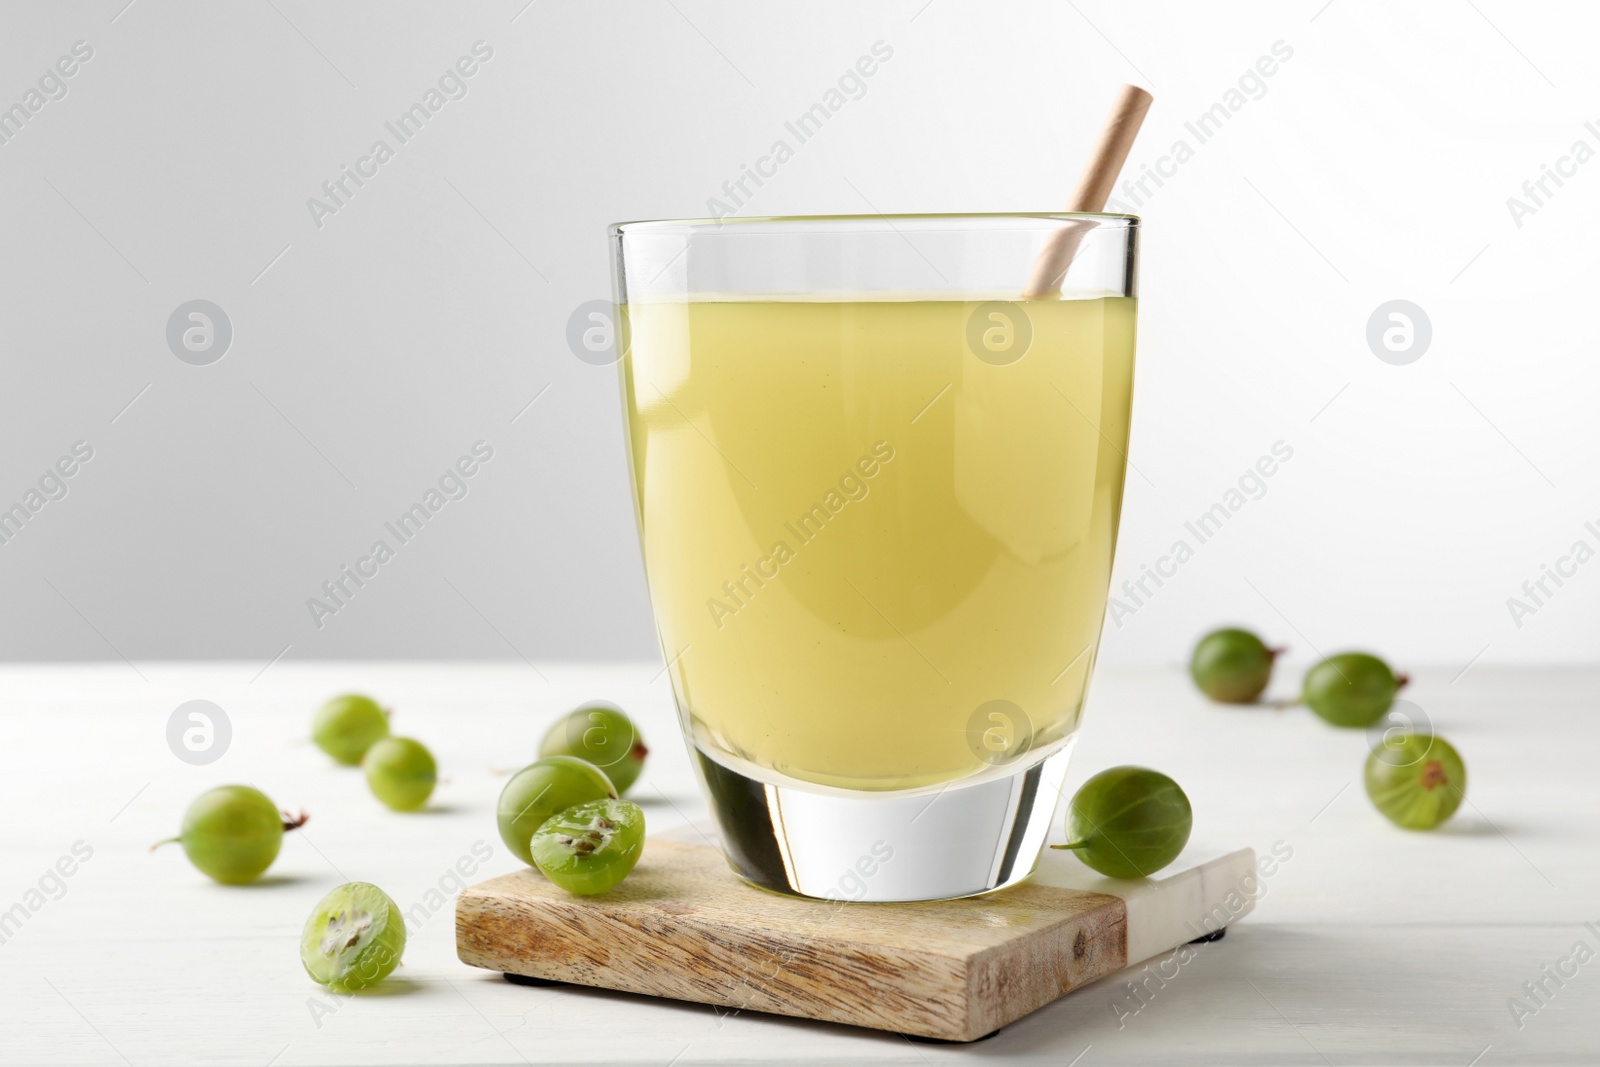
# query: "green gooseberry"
{"points": [[233, 833], [544, 788], [1416, 780], [400, 772], [346, 726], [589, 848], [1128, 822], [1232, 666], [603, 734], [354, 938], [1352, 689]]}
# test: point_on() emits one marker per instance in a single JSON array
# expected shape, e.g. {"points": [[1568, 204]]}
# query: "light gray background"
{"points": [[370, 353]]}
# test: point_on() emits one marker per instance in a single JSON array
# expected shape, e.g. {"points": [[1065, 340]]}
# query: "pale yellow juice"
{"points": [[857, 534]]}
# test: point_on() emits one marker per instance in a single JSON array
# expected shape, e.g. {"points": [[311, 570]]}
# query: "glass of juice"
{"points": [[878, 493]]}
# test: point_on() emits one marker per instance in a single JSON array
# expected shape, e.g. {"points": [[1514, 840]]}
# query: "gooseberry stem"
{"points": [[291, 822], [1073, 845], [165, 841], [639, 751], [1276, 652], [1401, 681]]}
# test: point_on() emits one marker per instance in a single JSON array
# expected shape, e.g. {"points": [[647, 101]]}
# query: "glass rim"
{"points": [[815, 223]]}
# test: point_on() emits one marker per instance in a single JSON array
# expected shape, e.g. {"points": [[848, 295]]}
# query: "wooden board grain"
{"points": [[683, 926]]}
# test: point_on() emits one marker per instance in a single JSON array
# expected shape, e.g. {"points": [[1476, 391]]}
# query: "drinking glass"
{"points": [[877, 493]]}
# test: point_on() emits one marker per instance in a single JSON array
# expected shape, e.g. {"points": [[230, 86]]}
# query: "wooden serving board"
{"points": [[684, 927]]}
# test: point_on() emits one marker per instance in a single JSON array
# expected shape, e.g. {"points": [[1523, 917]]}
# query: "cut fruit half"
{"points": [[354, 938]]}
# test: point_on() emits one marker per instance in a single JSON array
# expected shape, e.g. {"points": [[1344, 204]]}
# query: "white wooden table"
{"points": [[1369, 945]]}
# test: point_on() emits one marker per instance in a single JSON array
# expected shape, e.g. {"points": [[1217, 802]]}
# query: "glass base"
{"points": [[957, 840]]}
